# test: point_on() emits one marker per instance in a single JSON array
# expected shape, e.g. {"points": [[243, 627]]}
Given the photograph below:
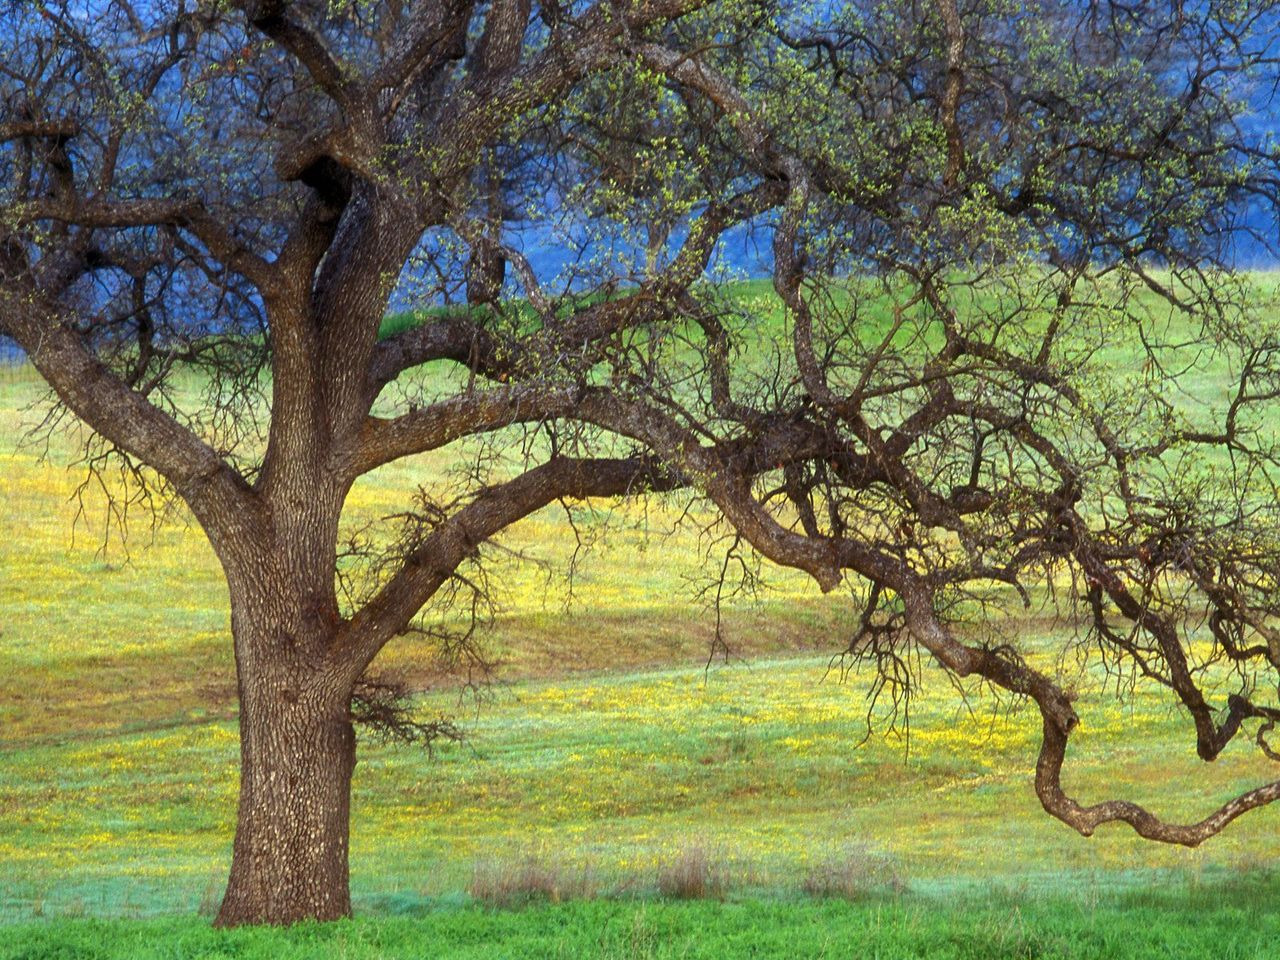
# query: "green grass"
{"points": [[605, 754], [1230, 922]]}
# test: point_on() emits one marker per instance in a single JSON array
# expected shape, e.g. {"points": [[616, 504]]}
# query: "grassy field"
{"points": [[1237, 923], [608, 762]]}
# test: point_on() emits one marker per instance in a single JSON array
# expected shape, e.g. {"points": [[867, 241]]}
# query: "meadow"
{"points": [[611, 768]]}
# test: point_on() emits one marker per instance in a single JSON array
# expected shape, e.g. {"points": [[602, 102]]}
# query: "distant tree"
{"points": [[968, 202]]}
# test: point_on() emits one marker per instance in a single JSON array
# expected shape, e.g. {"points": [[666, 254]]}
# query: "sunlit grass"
{"points": [[1234, 921]]}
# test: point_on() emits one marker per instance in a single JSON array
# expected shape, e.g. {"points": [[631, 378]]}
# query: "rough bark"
{"points": [[297, 754], [289, 861]]}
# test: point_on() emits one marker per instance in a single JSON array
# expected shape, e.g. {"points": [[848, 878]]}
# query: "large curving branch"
{"points": [[677, 461], [1085, 820], [217, 493], [276, 20], [385, 440], [184, 214], [433, 561]]}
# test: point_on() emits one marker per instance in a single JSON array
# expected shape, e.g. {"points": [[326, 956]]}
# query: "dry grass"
{"points": [[529, 879], [693, 874], [850, 873]]}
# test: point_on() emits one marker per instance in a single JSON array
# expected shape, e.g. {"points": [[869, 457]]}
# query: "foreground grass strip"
{"points": [[1233, 925]]}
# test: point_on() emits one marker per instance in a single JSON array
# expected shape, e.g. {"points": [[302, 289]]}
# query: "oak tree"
{"points": [[966, 205]]}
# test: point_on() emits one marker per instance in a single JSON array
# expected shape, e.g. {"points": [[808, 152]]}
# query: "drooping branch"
{"points": [[725, 479], [1011, 675], [1086, 820]]}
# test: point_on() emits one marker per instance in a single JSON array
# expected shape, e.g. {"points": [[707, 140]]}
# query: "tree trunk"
{"points": [[290, 857], [297, 754]]}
